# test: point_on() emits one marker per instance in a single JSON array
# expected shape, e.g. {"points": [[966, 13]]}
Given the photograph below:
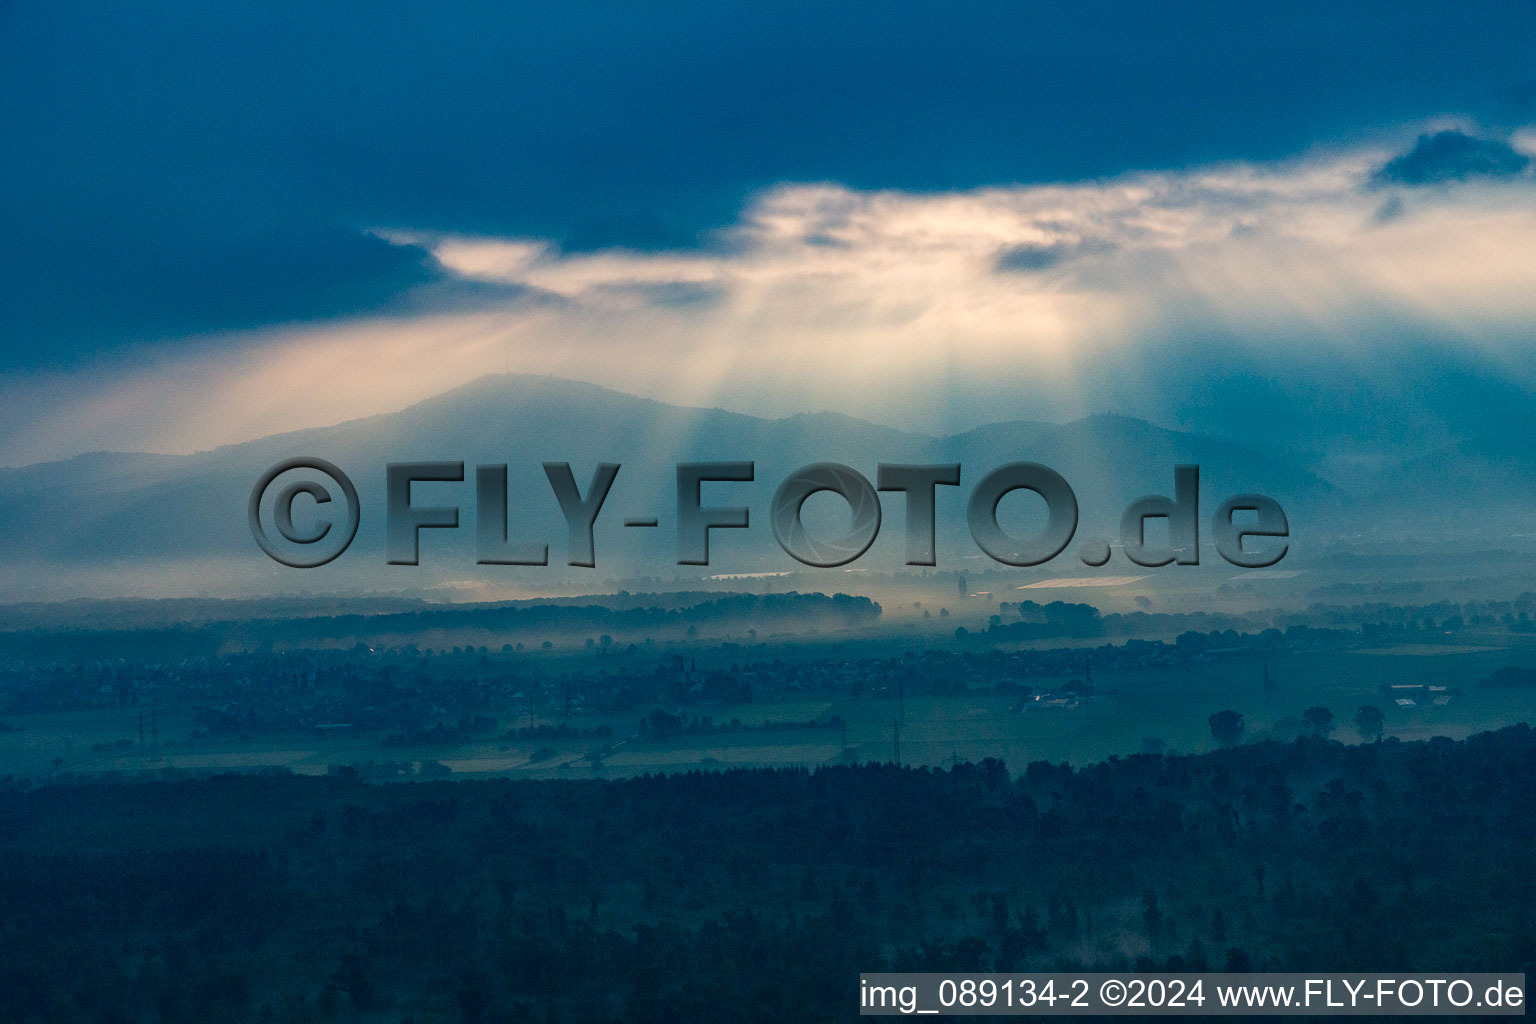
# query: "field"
{"points": [[1127, 711]]}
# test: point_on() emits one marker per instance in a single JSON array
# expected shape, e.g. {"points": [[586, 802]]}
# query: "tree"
{"points": [[660, 725], [1319, 720], [1369, 721], [1227, 727]]}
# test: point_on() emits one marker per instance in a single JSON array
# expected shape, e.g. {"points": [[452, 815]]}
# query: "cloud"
{"points": [[1452, 156], [173, 168], [72, 291], [1194, 296]]}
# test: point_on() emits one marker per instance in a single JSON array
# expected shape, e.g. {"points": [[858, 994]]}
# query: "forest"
{"points": [[752, 895]]}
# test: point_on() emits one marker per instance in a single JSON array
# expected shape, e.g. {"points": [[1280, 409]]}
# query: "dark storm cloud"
{"points": [[1028, 258], [1033, 257], [173, 166], [1452, 156], [70, 288]]}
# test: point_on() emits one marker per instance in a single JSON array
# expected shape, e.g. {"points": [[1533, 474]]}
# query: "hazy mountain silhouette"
{"points": [[127, 508], [1486, 481]]}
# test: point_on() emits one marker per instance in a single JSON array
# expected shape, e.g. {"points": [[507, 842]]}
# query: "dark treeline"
{"points": [[159, 612], [836, 611], [782, 611], [753, 895], [153, 613], [1030, 620]]}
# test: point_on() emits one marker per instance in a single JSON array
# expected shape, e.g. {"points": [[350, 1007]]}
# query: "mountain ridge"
{"points": [[162, 510]]}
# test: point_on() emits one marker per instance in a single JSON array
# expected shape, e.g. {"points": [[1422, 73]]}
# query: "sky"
{"points": [[226, 220]]}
